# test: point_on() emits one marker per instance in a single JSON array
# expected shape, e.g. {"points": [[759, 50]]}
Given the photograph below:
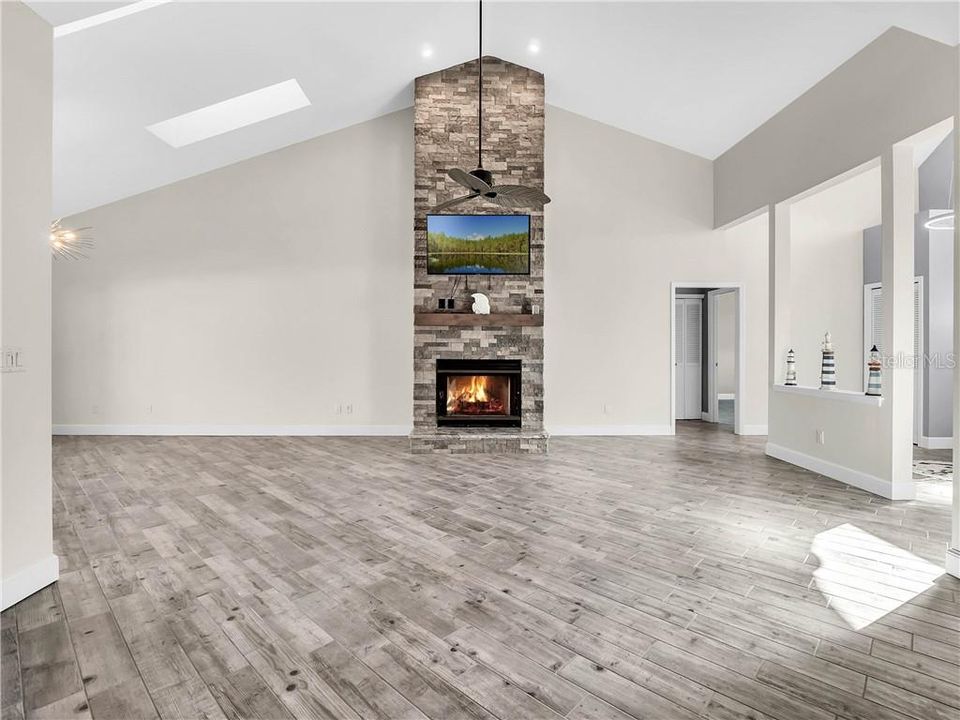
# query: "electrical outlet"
{"points": [[13, 360], [349, 409], [605, 408], [820, 438]]}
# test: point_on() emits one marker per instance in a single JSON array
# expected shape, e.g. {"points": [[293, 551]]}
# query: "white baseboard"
{"points": [[235, 430], [936, 443], [26, 582], [753, 429], [726, 396], [849, 476], [593, 430], [705, 417]]}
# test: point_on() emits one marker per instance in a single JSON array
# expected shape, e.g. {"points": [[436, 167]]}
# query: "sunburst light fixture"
{"points": [[69, 243]]}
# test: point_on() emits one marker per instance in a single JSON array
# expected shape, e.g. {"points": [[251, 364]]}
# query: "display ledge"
{"points": [[845, 395], [463, 319]]}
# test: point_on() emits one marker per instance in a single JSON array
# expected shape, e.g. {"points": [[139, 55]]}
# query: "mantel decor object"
{"points": [[481, 304], [873, 374], [828, 365], [791, 379]]}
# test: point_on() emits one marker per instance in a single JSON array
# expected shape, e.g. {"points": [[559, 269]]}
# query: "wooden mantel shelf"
{"points": [[462, 319]]}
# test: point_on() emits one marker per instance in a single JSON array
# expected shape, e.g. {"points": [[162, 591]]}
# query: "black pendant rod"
{"points": [[480, 113]]}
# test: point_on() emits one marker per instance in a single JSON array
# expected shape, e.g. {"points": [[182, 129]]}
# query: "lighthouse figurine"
{"points": [[873, 376], [828, 366], [791, 379]]}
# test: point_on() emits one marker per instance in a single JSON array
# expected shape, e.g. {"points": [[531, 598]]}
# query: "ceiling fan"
{"points": [[479, 181]]}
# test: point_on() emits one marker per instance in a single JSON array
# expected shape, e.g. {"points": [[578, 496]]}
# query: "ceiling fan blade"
{"points": [[519, 196], [468, 181], [453, 201]]}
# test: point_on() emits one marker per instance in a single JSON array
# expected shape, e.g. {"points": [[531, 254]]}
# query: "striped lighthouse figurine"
{"points": [[828, 366], [791, 369], [873, 376]]}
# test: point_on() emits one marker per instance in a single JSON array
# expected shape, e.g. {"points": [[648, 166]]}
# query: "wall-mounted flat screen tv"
{"points": [[478, 244]]}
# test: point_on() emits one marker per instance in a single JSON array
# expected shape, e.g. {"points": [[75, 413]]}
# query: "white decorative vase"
{"points": [[481, 304]]}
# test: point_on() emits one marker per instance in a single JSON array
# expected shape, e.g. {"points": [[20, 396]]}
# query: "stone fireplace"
{"points": [[453, 350]]}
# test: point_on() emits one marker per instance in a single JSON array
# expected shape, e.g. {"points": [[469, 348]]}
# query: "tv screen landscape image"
{"points": [[478, 244]]}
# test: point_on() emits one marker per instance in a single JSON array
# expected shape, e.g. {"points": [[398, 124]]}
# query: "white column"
{"points": [[778, 217], [953, 553], [898, 272]]}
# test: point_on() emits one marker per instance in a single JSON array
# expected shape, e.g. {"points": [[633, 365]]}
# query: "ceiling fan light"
{"points": [[946, 220]]}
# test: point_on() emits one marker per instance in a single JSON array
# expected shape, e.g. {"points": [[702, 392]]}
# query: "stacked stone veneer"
{"points": [[445, 127]]}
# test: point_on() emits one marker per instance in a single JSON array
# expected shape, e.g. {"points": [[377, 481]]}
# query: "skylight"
{"points": [[105, 17], [232, 114]]}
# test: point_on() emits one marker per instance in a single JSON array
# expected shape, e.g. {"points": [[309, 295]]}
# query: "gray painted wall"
{"points": [[899, 84], [935, 174], [933, 261]]}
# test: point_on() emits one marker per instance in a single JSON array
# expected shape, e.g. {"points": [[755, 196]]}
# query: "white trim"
{"points": [[726, 396], [936, 443], [847, 395], [610, 430], [29, 580], [235, 430], [705, 416], [849, 476], [754, 430]]}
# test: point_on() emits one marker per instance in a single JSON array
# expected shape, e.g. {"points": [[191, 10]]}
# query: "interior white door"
{"points": [[873, 335], [688, 349]]}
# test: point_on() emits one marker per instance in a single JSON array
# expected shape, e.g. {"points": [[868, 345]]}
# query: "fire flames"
{"points": [[474, 395]]}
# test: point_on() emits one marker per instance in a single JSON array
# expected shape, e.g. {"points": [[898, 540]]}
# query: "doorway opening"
{"points": [[707, 330]]}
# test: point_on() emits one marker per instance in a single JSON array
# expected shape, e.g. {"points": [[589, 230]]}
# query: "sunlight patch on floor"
{"points": [[865, 577]]}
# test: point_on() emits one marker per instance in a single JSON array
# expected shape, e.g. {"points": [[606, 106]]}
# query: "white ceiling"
{"points": [[697, 76]]}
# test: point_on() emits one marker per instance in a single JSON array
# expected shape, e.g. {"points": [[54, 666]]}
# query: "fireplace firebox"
{"points": [[478, 392]]}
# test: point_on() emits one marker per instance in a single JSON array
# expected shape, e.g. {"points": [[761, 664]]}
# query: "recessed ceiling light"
{"points": [[231, 114], [426, 51], [533, 47], [105, 17]]}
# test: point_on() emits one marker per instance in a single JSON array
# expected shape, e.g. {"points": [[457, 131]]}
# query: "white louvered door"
{"points": [[688, 357]]}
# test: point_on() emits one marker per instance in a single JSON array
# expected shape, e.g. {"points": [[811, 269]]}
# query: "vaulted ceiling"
{"points": [[697, 76]]}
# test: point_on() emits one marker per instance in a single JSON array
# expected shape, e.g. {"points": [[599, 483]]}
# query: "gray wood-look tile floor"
{"points": [[673, 577]]}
